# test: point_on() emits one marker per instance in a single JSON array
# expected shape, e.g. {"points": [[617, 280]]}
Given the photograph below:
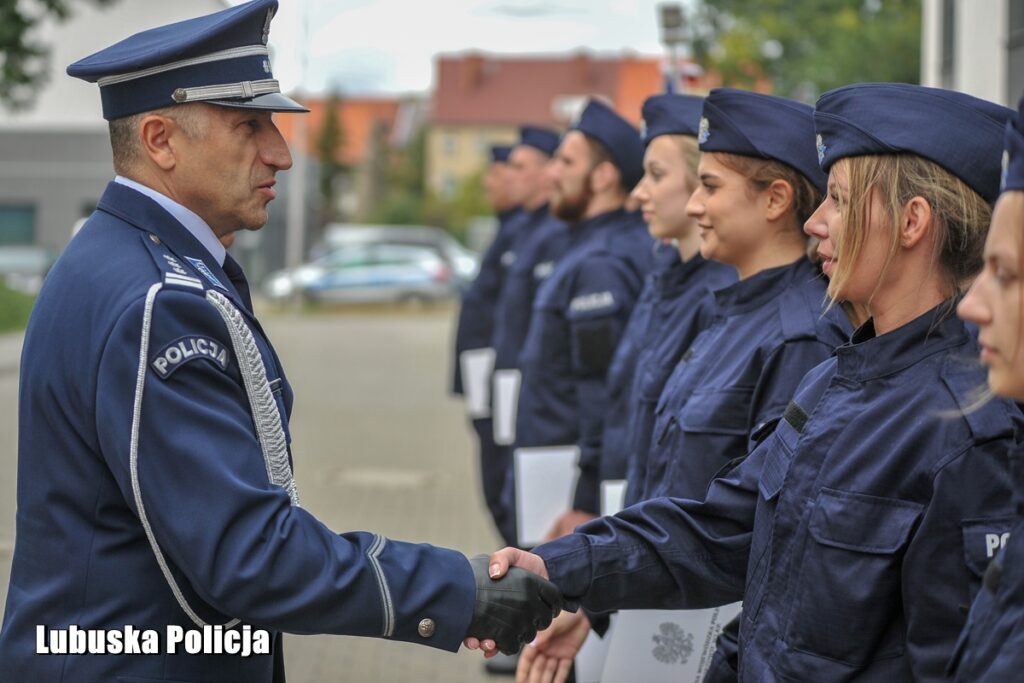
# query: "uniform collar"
{"points": [[756, 290], [149, 217], [674, 277], [867, 356], [188, 218], [590, 226]]}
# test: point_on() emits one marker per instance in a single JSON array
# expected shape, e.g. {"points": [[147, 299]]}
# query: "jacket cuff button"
{"points": [[425, 628]]}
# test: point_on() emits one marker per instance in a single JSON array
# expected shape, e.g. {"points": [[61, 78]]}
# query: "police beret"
{"points": [[220, 58], [764, 126], [671, 115], [620, 138], [544, 139], [1013, 152], [960, 133], [499, 153]]}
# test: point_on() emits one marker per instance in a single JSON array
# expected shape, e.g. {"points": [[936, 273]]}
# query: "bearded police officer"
{"points": [[155, 487], [580, 312]]}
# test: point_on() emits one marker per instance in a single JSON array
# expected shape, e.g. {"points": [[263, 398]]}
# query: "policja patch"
{"points": [[189, 348]]}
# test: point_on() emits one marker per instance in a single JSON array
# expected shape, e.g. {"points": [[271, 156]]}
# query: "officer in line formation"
{"points": [[495, 309], [155, 483], [857, 522]]}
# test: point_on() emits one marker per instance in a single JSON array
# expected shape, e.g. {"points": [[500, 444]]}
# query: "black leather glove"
{"points": [[511, 610]]}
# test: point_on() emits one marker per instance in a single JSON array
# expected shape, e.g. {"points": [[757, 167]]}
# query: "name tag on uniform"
{"points": [[186, 349], [592, 302]]}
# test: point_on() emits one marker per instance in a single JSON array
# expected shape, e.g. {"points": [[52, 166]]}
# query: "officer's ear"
{"points": [[778, 199], [155, 133], [605, 175], [916, 222]]}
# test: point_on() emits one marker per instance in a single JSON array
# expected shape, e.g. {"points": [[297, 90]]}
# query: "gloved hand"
{"points": [[511, 610]]}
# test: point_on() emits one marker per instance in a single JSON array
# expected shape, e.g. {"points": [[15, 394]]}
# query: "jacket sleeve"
{"points": [[961, 529], [604, 293], [183, 445], [663, 553]]}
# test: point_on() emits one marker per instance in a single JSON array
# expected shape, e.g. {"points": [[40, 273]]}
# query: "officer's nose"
{"points": [[972, 307], [816, 225], [274, 151], [695, 205]]}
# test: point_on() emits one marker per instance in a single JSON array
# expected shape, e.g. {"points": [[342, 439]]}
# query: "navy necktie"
{"points": [[237, 277]]}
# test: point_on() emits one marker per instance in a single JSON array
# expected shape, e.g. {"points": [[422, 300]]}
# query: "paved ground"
{"points": [[378, 445]]}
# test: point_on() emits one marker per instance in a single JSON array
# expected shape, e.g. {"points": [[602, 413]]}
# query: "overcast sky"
{"points": [[387, 46]]}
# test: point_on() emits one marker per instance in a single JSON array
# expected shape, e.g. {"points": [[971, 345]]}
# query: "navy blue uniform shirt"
{"points": [[991, 647], [675, 305], [544, 241], [154, 475], [733, 383], [855, 534], [578, 318], [475, 326]]}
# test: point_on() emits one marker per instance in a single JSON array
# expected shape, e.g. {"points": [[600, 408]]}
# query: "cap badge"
{"points": [[821, 148], [705, 130]]}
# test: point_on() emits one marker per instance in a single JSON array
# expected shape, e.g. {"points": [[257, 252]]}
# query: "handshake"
{"points": [[509, 611]]}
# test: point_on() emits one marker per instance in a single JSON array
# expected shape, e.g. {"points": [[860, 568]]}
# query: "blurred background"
{"points": [[407, 97], [385, 201]]}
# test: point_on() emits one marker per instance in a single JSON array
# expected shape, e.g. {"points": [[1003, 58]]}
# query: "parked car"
{"points": [[23, 268], [363, 273], [462, 261]]}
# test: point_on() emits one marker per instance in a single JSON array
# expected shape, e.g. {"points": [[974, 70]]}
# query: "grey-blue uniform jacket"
{"points": [[154, 475], [856, 534]]}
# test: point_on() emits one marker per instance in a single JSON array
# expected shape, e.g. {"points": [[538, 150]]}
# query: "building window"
{"points": [[1015, 53], [451, 144], [17, 225], [947, 64], [448, 186]]}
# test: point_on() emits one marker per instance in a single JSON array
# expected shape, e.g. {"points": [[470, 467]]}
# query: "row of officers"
{"points": [[756, 312]]}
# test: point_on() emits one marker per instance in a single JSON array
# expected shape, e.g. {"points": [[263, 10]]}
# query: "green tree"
{"points": [[804, 47], [330, 142], [24, 60]]}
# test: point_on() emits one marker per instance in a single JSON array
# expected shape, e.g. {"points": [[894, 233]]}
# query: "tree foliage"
{"points": [[805, 47], [330, 141], [23, 59]]}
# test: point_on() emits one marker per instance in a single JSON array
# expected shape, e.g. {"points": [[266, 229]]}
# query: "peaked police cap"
{"points": [[220, 58]]}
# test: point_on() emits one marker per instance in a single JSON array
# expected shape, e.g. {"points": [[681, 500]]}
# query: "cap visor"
{"points": [[270, 102]]}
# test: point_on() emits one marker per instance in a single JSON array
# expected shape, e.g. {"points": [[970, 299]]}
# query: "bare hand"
{"points": [[567, 523], [549, 658]]}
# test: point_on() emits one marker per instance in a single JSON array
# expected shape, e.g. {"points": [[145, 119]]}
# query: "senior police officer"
{"points": [[155, 486], [580, 312]]}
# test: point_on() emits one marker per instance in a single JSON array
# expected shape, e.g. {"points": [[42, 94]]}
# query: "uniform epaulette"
{"points": [[175, 276], [797, 314], [987, 419]]}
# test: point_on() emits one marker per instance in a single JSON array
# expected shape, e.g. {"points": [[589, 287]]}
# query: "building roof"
{"points": [[358, 116], [482, 89]]}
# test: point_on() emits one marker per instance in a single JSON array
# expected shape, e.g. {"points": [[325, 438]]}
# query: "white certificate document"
{"points": [[506, 403], [545, 483], [613, 496], [477, 366], [663, 646], [590, 659]]}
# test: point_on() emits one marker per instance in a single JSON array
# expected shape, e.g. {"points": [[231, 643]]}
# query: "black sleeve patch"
{"points": [[595, 344], [189, 348]]}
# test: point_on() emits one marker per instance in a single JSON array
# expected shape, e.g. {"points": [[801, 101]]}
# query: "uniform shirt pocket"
{"points": [[848, 603], [718, 411]]}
